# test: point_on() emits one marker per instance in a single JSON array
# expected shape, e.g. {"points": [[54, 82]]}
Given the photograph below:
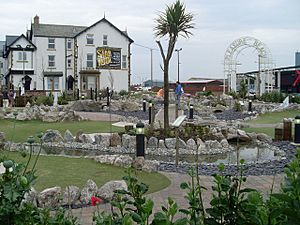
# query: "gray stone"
{"points": [[138, 162], [171, 143], [31, 197], [106, 159], [123, 161], [252, 136], [161, 144], [68, 136], [213, 144], [199, 142], [115, 140], [150, 166], [52, 136], [85, 138], [191, 144], [49, 197], [89, 190], [243, 135], [71, 195], [51, 117], [103, 139], [264, 138], [128, 141], [224, 143], [152, 142], [107, 190]]}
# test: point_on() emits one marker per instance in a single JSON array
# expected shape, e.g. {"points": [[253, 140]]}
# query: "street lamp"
{"points": [[178, 50]]}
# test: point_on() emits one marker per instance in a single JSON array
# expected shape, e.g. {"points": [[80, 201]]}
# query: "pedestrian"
{"points": [[11, 98], [5, 98], [178, 93]]}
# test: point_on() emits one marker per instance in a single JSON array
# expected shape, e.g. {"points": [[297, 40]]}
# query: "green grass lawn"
{"points": [[63, 171], [275, 117], [24, 129]]}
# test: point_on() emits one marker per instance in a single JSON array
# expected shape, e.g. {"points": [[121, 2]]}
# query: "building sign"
{"points": [[108, 58]]}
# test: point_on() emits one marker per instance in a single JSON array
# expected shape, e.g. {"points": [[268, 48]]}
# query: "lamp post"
{"points": [[150, 112], [140, 140], [178, 50], [191, 111], [144, 105], [297, 130]]}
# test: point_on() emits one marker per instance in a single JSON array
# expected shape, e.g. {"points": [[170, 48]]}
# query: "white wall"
{"points": [[115, 40], [41, 59]]}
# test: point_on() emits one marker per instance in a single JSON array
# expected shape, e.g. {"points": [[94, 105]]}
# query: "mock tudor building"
{"points": [[65, 57]]}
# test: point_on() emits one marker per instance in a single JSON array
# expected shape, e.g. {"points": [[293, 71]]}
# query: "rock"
{"points": [[252, 136], [130, 106], [71, 195], [49, 197], [150, 166], [89, 190], [224, 143], [106, 159], [51, 117], [138, 162], [199, 142], [128, 141], [31, 197], [86, 106], [243, 135], [264, 138], [68, 136], [152, 142], [107, 190], [103, 139], [171, 143], [123, 161], [213, 144], [206, 102], [52, 136], [80, 132], [85, 138], [23, 116], [161, 144], [115, 140], [191, 144]]}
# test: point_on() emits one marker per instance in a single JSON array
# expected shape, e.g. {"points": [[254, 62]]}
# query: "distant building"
{"points": [[297, 59], [156, 83]]}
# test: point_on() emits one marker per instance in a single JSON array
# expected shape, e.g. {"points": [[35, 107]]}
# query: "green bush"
{"points": [[45, 100], [237, 106], [123, 93], [273, 96]]}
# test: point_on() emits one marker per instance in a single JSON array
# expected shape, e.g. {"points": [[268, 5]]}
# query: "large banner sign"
{"points": [[108, 58]]}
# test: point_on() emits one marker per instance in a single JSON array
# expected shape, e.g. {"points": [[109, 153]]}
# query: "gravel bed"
{"points": [[265, 168]]}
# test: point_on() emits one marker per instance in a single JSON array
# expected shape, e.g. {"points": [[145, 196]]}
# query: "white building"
{"points": [[67, 57]]}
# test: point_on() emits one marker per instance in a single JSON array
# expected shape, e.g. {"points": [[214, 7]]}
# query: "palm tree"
{"points": [[174, 21]]}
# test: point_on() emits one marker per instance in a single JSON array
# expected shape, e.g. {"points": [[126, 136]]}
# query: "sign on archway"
{"points": [[264, 75]]}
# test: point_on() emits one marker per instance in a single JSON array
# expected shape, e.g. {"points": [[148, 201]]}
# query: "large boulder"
{"points": [[138, 162], [130, 106], [128, 141], [115, 140], [191, 144], [86, 106], [213, 144], [123, 161], [264, 138], [150, 166], [89, 190], [243, 136], [71, 195], [51, 117], [161, 144], [152, 142], [49, 197], [107, 190], [106, 159], [171, 143], [68, 136], [85, 138], [52, 136], [31, 197], [103, 139]]}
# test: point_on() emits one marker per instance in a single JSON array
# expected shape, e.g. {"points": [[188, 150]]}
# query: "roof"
{"points": [[19, 37], [54, 30], [199, 81], [10, 39], [124, 33], [2, 44]]}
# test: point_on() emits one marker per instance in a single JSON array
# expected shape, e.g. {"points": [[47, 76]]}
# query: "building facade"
{"points": [[67, 57]]}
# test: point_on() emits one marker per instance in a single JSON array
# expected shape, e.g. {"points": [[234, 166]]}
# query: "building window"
{"points": [[22, 56], [89, 60], [104, 39], [51, 43], [51, 60], [90, 39], [1, 65], [69, 63], [69, 44], [53, 83], [124, 61]]}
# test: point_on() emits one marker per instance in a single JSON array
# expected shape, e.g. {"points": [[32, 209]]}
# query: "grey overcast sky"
{"points": [[217, 22]]}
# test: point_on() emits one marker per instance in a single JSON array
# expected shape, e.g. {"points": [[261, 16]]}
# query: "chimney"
{"points": [[36, 20]]}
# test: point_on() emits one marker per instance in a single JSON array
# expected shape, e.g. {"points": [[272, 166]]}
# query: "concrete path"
{"points": [[98, 116], [159, 117], [261, 183]]}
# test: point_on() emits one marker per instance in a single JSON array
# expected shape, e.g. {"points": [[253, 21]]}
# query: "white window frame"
{"points": [[51, 43], [105, 40], [69, 44], [22, 56], [90, 61], [51, 62], [124, 61], [89, 39], [53, 81]]}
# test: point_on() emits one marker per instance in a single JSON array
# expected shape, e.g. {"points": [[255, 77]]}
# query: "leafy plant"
{"points": [[45, 100]]}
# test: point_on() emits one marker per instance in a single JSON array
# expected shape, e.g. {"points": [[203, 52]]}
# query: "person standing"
{"points": [[5, 98], [178, 93], [11, 98]]}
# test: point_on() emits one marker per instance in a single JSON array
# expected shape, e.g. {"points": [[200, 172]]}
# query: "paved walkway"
{"points": [[261, 183], [159, 117]]}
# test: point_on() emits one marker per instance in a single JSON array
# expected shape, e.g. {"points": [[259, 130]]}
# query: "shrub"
{"points": [[45, 100], [123, 93], [237, 106], [273, 96]]}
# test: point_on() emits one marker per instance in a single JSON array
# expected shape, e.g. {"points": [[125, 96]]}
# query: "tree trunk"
{"points": [[166, 95]]}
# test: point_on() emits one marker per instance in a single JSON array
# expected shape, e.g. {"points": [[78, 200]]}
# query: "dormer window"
{"points": [[90, 39], [22, 56], [105, 39], [51, 43]]}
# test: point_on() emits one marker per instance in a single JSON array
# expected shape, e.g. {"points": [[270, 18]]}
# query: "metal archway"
{"points": [[264, 77]]}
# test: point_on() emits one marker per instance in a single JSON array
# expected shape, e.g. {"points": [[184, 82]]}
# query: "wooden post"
{"points": [[177, 146]]}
